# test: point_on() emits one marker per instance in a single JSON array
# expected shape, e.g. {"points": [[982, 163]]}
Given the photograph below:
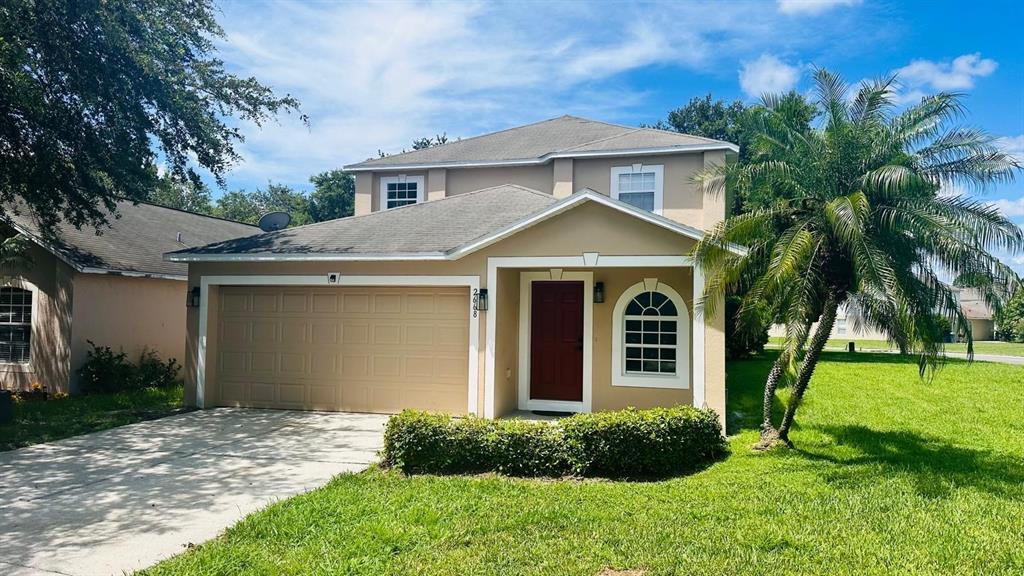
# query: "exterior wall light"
{"points": [[479, 301], [598, 292], [192, 298]]}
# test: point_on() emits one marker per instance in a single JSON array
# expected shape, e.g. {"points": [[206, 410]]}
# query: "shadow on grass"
{"points": [[745, 383], [935, 466]]}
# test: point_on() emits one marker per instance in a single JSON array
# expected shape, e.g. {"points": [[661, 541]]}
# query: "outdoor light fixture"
{"points": [[481, 300], [598, 292], [192, 299]]}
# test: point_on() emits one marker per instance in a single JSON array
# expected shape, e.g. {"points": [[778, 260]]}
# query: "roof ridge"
{"points": [[612, 137], [638, 128], [424, 203], [460, 140], [183, 211]]}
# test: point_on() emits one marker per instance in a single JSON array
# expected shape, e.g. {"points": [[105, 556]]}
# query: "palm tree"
{"points": [[856, 215]]}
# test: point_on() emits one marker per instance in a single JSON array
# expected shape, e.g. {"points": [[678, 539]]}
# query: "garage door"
{"points": [[364, 349]]}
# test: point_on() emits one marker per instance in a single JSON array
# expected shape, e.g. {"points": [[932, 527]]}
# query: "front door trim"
{"points": [[526, 279]]}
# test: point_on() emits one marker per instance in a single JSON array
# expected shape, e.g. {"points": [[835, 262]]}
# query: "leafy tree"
{"points": [[1010, 320], [92, 92], [856, 215], [421, 143], [181, 194], [14, 251], [247, 207], [333, 195]]}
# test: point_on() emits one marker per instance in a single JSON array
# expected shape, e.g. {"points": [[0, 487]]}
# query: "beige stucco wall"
{"points": [[129, 315], [562, 177], [588, 228], [50, 281], [682, 202], [540, 178]]}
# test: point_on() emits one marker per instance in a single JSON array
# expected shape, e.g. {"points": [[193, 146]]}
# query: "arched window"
{"points": [[651, 329], [15, 325]]}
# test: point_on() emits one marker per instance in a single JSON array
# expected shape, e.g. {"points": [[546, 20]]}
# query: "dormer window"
{"points": [[400, 190], [639, 185]]}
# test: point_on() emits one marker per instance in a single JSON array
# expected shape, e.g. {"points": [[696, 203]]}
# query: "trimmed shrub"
{"points": [[651, 443], [106, 371], [624, 444]]}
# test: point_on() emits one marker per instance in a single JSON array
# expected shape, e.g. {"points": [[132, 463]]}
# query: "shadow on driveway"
{"points": [[125, 498]]}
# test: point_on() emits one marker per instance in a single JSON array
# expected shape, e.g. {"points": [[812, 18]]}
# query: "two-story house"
{"points": [[544, 267]]}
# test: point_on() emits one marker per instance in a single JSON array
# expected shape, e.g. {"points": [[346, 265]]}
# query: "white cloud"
{"points": [[767, 74], [1010, 208], [959, 74], [812, 7], [378, 75], [1014, 146]]}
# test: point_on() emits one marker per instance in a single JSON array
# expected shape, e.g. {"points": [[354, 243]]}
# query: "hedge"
{"points": [[629, 443]]}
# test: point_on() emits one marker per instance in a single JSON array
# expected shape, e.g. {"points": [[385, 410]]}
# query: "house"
{"points": [[539, 268], [113, 288], [847, 327], [978, 313]]}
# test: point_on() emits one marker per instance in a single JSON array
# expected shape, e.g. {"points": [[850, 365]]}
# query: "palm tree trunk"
{"points": [[825, 323], [769, 435]]}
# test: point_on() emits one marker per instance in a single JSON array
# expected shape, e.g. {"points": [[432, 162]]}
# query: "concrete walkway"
{"points": [[123, 499]]}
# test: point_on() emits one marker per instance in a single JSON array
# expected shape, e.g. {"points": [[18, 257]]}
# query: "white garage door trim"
{"points": [[471, 282]]}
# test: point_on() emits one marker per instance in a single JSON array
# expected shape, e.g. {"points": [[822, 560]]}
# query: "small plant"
{"points": [[106, 371]]}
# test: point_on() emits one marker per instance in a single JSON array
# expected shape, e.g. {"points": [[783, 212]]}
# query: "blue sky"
{"points": [[376, 76]]}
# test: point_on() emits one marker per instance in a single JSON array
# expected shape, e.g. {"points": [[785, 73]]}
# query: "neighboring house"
{"points": [[538, 268], [114, 289], [972, 303], [978, 313]]}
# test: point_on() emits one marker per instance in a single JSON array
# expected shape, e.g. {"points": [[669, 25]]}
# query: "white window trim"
{"points": [[9, 367], [659, 182], [470, 282], [385, 180], [679, 380], [526, 280]]}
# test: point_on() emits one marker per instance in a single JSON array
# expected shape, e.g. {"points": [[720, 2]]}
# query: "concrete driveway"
{"points": [[123, 499]]}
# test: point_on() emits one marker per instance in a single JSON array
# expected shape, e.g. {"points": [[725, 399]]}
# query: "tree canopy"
{"points": [[95, 93], [855, 217]]}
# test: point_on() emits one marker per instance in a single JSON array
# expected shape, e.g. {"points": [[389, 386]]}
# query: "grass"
{"points": [[891, 475], [987, 347], [44, 421]]}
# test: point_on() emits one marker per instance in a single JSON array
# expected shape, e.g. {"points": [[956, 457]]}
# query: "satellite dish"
{"points": [[272, 221]]}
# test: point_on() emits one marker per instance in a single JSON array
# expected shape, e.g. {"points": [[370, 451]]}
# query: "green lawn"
{"points": [[43, 421], [987, 347], [891, 475]]}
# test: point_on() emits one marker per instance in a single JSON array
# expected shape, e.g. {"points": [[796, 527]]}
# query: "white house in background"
{"points": [[973, 304]]}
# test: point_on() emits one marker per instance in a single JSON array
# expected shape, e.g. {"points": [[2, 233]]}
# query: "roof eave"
{"points": [[304, 257], [683, 149]]}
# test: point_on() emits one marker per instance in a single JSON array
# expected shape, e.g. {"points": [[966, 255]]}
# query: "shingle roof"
{"points": [[425, 228], [133, 243], [566, 136], [445, 229]]}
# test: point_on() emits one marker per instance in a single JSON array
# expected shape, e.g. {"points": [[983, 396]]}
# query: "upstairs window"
{"points": [[15, 325], [400, 190], [639, 185]]}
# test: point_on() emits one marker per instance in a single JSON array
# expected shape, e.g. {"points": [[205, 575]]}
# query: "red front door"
{"points": [[556, 341]]}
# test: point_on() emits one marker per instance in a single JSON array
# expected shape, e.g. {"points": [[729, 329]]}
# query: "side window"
{"points": [[400, 190], [15, 325], [639, 185]]}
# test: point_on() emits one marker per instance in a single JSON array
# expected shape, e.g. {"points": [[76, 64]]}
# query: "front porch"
{"points": [[590, 333]]}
